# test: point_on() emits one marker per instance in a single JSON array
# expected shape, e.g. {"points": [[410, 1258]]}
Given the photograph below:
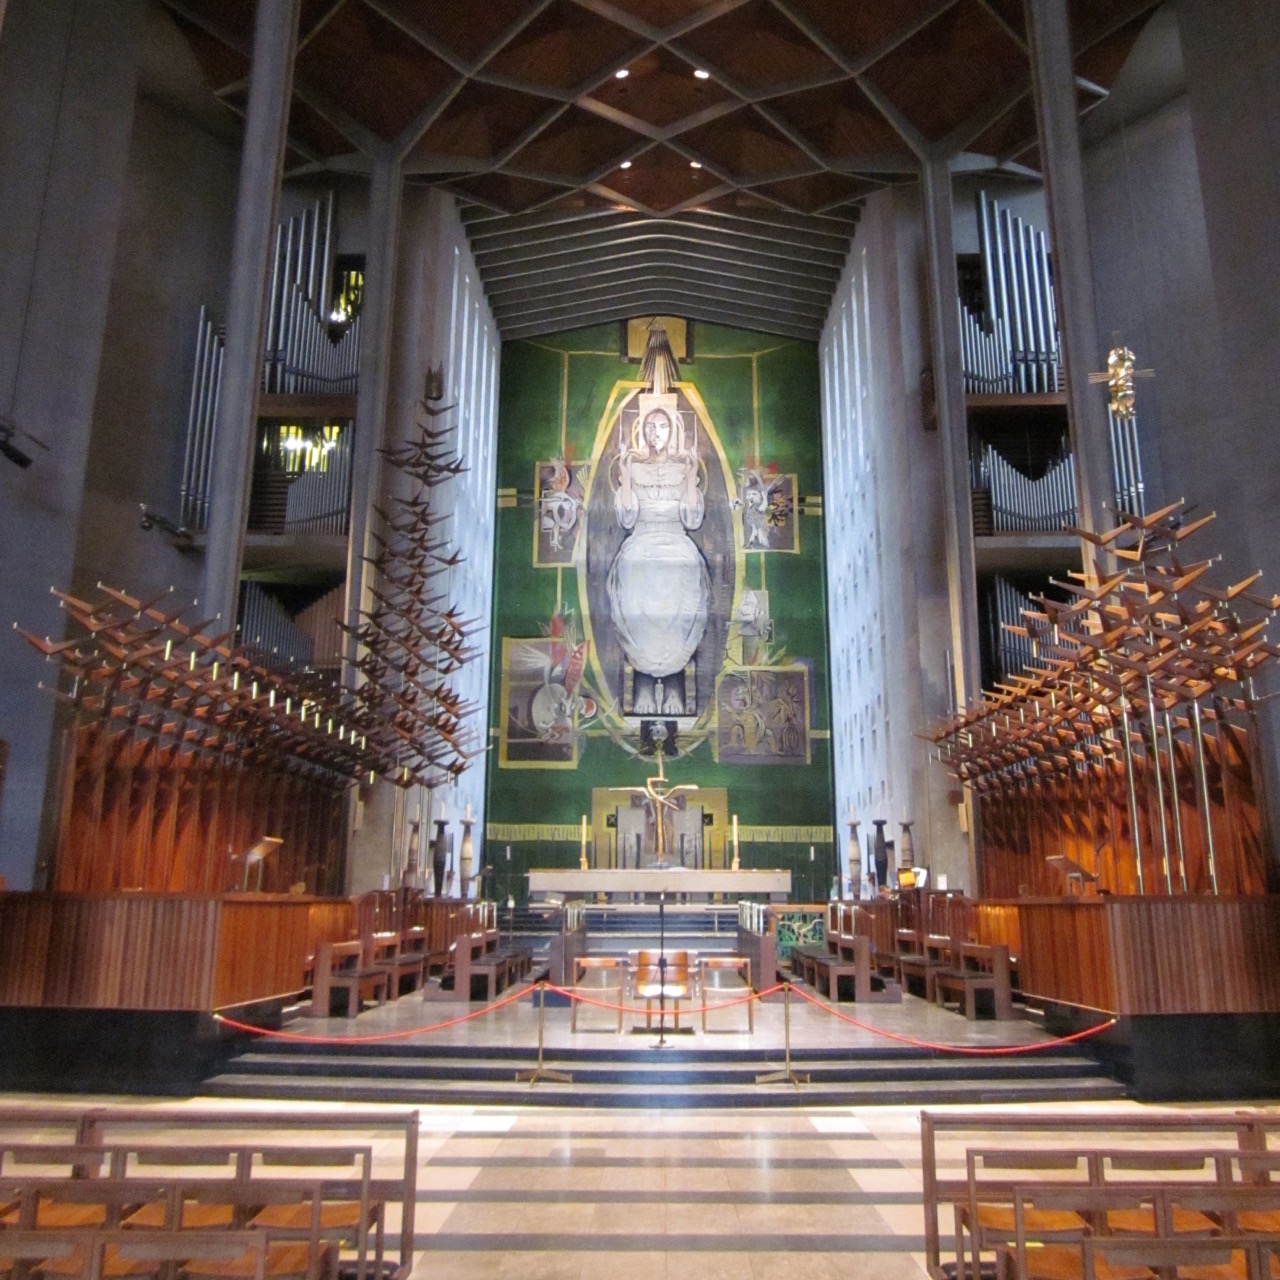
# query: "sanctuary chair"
{"points": [[650, 983], [602, 976], [729, 976]]}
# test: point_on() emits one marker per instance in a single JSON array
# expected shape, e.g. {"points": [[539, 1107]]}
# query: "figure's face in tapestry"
{"points": [[657, 431]]}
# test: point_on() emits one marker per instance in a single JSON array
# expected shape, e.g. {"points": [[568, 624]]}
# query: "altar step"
{"points": [[643, 1076]]}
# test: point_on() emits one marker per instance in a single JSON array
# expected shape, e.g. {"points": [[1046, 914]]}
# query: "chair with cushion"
{"points": [[655, 980]]}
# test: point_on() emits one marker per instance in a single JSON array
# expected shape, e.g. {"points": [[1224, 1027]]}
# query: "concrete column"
{"points": [[953, 433], [68, 81], [1057, 121], [953, 428], [371, 397], [262, 161], [1231, 49]]}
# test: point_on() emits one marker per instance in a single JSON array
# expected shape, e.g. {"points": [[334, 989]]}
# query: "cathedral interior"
{"points": [[522, 517]]}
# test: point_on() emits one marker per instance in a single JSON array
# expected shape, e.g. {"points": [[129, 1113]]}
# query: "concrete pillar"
{"points": [[68, 81], [953, 433], [953, 428], [371, 397], [1057, 121], [262, 161], [1231, 49]]}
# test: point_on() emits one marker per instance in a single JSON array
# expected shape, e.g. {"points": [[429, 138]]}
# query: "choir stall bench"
{"points": [[349, 967]]}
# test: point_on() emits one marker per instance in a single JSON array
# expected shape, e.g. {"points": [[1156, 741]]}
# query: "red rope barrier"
{"points": [[976, 1051], [571, 994], [387, 1035]]}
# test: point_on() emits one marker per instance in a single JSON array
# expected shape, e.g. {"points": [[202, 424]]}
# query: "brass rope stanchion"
{"points": [[786, 1075], [542, 1072]]}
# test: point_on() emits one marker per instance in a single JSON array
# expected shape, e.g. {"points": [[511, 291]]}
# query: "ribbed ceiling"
{"points": [[697, 157]]}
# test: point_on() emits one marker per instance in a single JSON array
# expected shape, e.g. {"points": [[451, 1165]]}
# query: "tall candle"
{"points": [[584, 832], [468, 810], [811, 853]]}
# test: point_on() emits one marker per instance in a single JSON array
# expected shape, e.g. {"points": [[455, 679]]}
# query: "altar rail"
{"points": [[159, 951]]}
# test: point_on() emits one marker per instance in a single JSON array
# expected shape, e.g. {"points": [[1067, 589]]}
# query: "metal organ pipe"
{"points": [[299, 358], [1020, 504]]}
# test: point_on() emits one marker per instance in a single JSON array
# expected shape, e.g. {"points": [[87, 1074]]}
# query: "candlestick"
{"points": [[582, 856], [735, 842]]}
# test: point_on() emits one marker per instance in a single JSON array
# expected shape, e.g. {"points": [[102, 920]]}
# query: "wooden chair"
{"points": [[653, 980], [731, 974], [987, 1217], [1191, 1169], [600, 975], [86, 1254]]}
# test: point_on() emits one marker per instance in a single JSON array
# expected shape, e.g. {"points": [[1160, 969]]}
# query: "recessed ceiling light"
{"points": [[621, 74], [695, 164], [699, 74], [626, 164]]}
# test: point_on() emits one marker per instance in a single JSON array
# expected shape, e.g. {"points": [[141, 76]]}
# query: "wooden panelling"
{"points": [[1207, 955], [1086, 818], [158, 951], [1065, 952], [1151, 955], [141, 815]]}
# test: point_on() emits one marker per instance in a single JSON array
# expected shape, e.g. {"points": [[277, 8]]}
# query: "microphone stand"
{"points": [[662, 970]]}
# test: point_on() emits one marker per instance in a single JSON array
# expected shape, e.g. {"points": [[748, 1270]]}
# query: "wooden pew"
{"points": [[758, 942], [1102, 1252], [403, 954], [1246, 1131], [395, 1172], [88, 1254], [349, 967], [922, 957], [303, 1246], [978, 969], [480, 955]]}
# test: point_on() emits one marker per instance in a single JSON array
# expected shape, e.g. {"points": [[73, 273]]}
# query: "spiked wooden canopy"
{"points": [[699, 157]]}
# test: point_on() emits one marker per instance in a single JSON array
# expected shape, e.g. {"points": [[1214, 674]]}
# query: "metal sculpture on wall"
{"points": [[1148, 674], [413, 638]]}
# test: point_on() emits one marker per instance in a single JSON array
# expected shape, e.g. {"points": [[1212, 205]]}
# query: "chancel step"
{"points": [[635, 1074]]}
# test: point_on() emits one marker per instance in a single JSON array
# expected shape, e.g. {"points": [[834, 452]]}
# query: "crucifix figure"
{"points": [[661, 795]]}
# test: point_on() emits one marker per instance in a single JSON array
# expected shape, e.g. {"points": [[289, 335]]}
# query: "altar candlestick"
{"points": [[735, 842], [582, 856]]}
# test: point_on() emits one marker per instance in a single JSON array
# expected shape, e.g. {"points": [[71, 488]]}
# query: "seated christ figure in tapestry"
{"points": [[658, 586]]}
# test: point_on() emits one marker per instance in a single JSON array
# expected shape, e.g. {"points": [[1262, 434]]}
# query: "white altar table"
{"points": [[573, 880]]}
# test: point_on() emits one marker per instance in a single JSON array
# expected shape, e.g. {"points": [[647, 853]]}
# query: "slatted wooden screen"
{"points": [[1086, 818], [140, 813]]}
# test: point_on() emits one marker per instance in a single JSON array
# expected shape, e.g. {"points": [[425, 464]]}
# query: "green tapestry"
{"points": [[660, 589]]}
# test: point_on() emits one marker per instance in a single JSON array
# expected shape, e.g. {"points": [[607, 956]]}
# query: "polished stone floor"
{"points": [[524, 1194], [813, 1025]]}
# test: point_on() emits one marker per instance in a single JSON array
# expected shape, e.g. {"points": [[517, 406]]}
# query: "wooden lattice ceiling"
{"points": [[705, 157]]}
